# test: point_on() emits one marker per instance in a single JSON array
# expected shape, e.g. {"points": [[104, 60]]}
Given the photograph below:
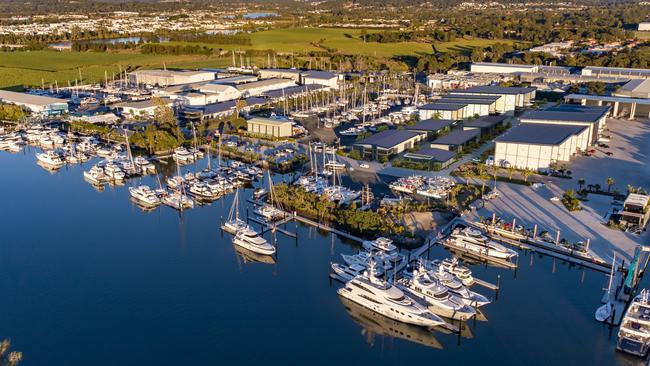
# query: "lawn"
{"points": [[346, 41], [30, 68], [465, 45]]}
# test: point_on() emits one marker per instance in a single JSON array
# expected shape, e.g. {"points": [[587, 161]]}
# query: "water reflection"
{"points": [[375, 324], [248, 256]]}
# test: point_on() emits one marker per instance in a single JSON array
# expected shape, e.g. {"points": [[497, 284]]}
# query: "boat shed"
{"points": [[37, 104], [450, 111], [456, 140], [485, 124], [382, 145], [432, 127], [536, 145], [437, 159], [473, 106], [512, 97], [592, 117], [269, 127], [260, 87]]}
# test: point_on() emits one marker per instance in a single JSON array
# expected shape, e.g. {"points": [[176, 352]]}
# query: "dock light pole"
{"points": [[557, 238], [535, 232], [514, 221], [587, 246]]}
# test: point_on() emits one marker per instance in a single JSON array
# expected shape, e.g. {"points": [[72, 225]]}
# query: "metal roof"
{"points": [[636, 199], [563, 116], [457, 137], [430, 153], [540, 134], [432, 125], [472, 96], [607, 98], [495, 89], [263, 83], [26, 98], [443, 106], [389, 138], [269, 121], [293, 90], [481, 101], [485, 121], [618, 70], [323, 75]]}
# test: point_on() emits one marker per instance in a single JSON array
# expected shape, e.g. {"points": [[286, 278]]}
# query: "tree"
{"points": [[239, 106], [526, 173], [511, 171], [581, 183], [610, 183], [570, 201], [164, 115]]}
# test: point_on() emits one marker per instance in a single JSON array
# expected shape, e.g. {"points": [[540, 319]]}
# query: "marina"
{"points": [[194, 235]]}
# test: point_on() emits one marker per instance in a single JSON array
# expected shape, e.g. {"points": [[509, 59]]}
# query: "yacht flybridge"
{"points": [[145, 195], [382, 297], [253, 241], [51, 158], [473, 240], [437, 296], [454, 267]]}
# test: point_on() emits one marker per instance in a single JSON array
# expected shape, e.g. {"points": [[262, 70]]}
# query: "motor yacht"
{"points": [[145, 195], [96, 175], [457, 288], [182, 155], [178, 201], [437, 296], [114, 172], [382, 297], [144, 164], [201, 191], [634, 333], [251, 240], [454, 267], [175, 182], [385, 246], [346, 273], [50, 158], [269, 212], [473, 240]]}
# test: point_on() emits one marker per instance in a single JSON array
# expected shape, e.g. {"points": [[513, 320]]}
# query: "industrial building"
{"points": [[473, 106], [37, 104], [326, 78], [591, 117], [260, 87], [643, 26], [632, 100], [485, 124], [461, 80], [537, 146], [432, 127], [442, 111], [456, 140], [500, 68], [218, 110], [144, 108], [169, 77], [219, 92], [618, 72], [382, 145], [292, 74], [437, 159], [511, 97], [269, 127]]}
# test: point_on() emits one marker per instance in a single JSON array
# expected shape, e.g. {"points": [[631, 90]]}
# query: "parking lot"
{"points": [[532, 206], [627, 164]]}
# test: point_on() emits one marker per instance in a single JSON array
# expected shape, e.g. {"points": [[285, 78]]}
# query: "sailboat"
{"points": [[604, 312], [268, 211], [234, 224]]}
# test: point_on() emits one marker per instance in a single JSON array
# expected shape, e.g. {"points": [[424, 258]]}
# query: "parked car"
{"points": [[555, 199], [364, 165]]}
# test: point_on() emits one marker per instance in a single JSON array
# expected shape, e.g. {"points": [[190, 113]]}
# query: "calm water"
{"points": [[87, 278]]}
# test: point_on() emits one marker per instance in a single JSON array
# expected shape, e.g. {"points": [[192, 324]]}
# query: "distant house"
{"points": [[456, 140], [387, 143]]}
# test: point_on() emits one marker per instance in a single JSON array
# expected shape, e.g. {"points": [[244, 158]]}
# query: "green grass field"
{"points": [[29, 68]]}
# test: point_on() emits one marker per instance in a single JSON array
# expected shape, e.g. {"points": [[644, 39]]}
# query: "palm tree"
{"points": [[581, 183], [511, 171], [526, 173], [610, 183]]}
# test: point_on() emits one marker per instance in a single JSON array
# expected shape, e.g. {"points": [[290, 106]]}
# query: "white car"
{"points": [[364, 166], [555, 199]]}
